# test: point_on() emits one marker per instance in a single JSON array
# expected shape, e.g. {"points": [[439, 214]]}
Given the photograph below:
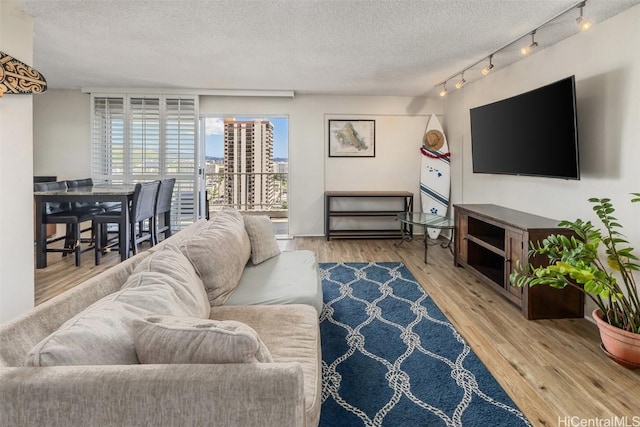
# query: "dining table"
{"points": [[98, 193]]}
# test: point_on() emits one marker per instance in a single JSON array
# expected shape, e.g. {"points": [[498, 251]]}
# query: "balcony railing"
{"points": [[263, 192]]}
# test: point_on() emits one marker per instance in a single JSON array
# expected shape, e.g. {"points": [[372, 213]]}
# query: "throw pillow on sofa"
{"points": [[219, 254], [102, 334], [188, 286], [262, 238], [166, 339]]}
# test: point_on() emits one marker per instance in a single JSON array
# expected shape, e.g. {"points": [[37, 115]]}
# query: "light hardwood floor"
{"points": [[553, 369]]}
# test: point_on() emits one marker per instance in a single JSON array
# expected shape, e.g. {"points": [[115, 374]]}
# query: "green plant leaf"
{"points": [[576, 260]]}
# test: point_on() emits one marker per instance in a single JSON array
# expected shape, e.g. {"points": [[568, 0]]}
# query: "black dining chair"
{"points": [[88, 182], [142, 209], [84, 206], [63, 213], [163, 210]]}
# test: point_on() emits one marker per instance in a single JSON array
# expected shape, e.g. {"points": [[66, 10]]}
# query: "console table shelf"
{"points": [[362, 213], [491, 240], [403, 198]]}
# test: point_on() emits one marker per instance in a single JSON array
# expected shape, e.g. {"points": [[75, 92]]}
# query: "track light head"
{"points": [[443, 92], [460, 82], [486, 70], [527, 49], [583, 23]]}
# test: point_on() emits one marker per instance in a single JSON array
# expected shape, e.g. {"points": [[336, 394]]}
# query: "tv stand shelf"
{"points": [[485, 243], [405, 199], [490, 241]]}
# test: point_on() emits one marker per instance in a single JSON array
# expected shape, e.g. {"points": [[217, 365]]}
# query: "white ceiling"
{"points": [[366, 47]]}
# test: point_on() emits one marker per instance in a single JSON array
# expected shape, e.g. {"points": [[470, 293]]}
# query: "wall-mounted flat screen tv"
{"points": [[534, 133]]}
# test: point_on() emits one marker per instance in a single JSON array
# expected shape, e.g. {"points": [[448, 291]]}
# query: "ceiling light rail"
{"points": [[583, 25]]}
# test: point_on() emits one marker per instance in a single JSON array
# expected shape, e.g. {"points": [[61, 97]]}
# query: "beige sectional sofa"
{"points": [[87, 357]]}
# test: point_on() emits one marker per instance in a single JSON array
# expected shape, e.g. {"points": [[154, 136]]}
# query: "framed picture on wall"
{"points": [[352, 138]]}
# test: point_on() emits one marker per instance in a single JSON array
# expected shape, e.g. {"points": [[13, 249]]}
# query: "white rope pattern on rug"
{"points": [[398, 380]]}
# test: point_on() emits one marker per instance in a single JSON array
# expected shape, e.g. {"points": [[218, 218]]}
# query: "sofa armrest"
{"points": [[262, 394]]}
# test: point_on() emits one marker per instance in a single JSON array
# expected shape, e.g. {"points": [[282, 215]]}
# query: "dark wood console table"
{"points": [[491, 239], [405, 204]]}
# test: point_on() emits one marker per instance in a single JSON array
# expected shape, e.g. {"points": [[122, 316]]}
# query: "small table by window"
{"points": [[427, 221]]}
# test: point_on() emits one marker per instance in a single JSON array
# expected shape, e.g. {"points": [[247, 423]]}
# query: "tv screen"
{"points": [[534, 133]]}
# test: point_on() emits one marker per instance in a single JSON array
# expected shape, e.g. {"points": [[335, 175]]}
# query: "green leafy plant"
{"points": [[575, 261]]}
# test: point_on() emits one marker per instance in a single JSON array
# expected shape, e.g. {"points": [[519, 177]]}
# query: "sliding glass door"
{"points": [[246, 165]]}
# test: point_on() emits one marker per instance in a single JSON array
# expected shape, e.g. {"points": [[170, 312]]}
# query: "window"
{"points": [[141, 138], [246, 165]]}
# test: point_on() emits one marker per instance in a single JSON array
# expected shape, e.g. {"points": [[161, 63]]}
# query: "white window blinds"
{"points": [[108, 134], [180, 142], [143, 138]]}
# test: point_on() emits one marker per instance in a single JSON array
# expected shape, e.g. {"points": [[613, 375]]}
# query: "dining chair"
{"points": [[63, 213], [142, 209], [88, 182], [84, 182], [84, 206], [163, 209]]}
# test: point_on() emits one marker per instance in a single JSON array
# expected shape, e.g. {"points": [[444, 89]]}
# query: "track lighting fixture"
{"points": [[443, 92], [486, 70], [583, 23], [527, 49]]}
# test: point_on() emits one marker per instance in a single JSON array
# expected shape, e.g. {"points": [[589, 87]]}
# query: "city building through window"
{"points": [[246, 166]]}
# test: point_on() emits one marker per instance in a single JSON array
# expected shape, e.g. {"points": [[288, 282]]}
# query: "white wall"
{"points": [[606, 63], [16, 151], [61, 135], [396, 165]]}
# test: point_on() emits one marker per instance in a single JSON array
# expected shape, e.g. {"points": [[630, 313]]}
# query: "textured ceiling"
{"points": [[367, 47]]}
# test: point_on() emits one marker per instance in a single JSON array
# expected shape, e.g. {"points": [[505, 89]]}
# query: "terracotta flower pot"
{"points": [[620, 345]]}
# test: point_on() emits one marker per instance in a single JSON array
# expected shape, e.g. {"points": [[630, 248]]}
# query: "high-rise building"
{"points": [[248, 161]]}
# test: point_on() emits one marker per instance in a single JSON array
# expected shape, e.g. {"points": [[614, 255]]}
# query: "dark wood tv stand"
{"points": [[491, 239]]}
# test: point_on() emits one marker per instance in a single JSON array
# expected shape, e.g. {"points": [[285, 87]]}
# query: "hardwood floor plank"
{"points": [[552, 369]]}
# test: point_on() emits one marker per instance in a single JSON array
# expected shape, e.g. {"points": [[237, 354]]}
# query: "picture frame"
{"points": [[352, 138]]}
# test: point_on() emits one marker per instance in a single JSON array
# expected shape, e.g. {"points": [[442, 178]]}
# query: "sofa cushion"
{"points": [[18, 337], [262, 238], [219, 254], [171, 267], [102, 334], [177, 238], [292, 334], [167, 339], [290, 278]]}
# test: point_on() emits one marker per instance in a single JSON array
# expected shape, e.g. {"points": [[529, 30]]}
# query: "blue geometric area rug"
{"points": [[391, 358]]}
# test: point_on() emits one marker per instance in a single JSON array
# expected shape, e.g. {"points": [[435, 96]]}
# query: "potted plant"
{"points": [[607, 280]]}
